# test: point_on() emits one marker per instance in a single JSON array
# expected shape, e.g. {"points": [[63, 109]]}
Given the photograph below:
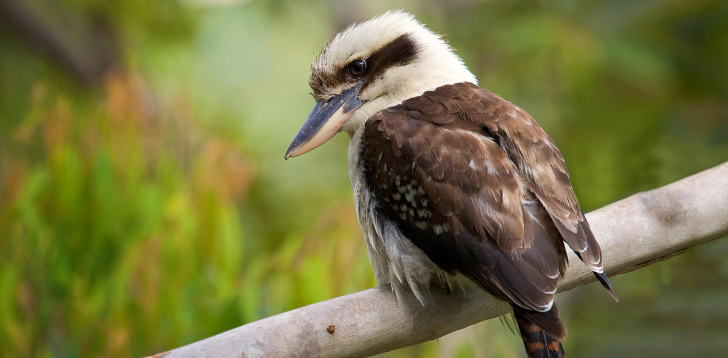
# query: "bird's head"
{"points": [[371, 66]]}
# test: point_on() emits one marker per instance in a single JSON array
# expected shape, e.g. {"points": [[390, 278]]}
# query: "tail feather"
{"points": [[537, 342]]}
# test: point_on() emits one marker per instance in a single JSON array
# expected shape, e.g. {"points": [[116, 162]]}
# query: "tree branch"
{"points": [[635, 232]]}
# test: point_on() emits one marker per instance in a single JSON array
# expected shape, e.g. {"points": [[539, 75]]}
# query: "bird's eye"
{"points": [[357, 68]]}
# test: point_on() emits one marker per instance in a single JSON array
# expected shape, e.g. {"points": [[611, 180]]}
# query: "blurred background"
{"points": [[145, 203]]}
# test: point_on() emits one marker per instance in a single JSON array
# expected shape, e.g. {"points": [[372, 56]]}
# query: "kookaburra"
{"points": [[451, 182]]}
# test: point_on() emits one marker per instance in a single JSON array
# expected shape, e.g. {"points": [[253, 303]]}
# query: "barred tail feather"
{"points": [[537, 342]]}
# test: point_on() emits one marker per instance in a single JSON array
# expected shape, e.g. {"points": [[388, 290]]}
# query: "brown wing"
{"points": [[539, 162], [449, 178], [454, 169]]}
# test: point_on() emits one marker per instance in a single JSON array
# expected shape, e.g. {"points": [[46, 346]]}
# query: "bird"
{"points": [[452, 183]]}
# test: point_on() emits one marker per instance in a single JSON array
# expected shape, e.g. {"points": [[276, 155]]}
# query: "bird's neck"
{"points": [[355, 146]]}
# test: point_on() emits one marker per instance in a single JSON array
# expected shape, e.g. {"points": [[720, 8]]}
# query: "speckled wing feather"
{"points": [[540, 164], [476, 184]]}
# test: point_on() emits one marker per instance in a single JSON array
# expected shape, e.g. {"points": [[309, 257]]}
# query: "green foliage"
{"points": [[124, 234], [157, 210]]}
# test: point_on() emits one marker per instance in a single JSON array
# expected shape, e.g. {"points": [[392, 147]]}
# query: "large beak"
{"points": [[325, 121]]}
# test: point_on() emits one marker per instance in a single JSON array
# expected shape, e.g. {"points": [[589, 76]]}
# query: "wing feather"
{"points": [[474, 182]]}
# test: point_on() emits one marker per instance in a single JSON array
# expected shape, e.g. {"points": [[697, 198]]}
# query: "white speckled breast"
{"points": [[395, 259]]}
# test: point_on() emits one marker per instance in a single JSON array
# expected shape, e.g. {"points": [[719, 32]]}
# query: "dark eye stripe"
{"points": [[401, 51]]}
